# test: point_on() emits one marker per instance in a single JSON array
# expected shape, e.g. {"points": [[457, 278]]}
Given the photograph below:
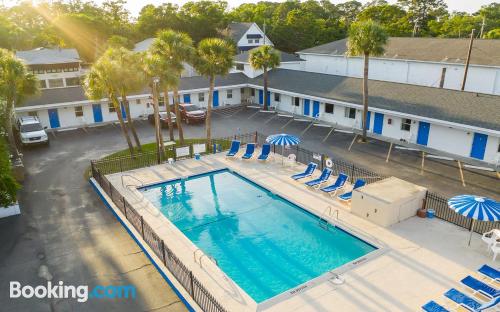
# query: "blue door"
{"points": [[315, 109], [187, 98], [261, 97], [423, 132], [54, 118], [307, 108], [378, 123], [96, 109], [215, 101], [478, 145], [368, 119], [124, 113]]}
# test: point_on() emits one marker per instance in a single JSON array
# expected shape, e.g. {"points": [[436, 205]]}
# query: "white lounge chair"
{"points": [[496, 249], [491, 237]]}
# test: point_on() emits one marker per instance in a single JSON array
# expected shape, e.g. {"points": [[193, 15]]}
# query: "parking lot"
{"points": [[65, 232]]}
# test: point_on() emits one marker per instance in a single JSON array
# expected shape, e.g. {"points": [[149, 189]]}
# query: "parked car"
{"points": [[31, 131], [163, 119], [192, 113]]}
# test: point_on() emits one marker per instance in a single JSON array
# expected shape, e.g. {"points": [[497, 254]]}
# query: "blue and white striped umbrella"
{"points": [[283, 139], [475, 208]]}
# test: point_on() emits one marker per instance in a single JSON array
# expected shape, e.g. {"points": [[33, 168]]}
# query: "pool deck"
{"points": [[420, 259]]}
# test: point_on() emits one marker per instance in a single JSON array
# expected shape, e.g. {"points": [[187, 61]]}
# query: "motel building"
{"points": [[453, 124]]}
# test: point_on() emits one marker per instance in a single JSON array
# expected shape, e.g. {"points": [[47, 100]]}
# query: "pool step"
{"points": [[323, 223]]}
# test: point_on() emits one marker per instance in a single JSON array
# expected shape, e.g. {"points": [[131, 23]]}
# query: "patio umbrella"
{"points": [[283, 139], [475, 208]]}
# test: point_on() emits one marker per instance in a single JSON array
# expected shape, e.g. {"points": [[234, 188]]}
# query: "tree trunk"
{"points": [[265, 89], [178, 116], [169, 118], [156, 114], [365, 96], [130, 122], [8, 126], [208, 121], [118, 110]]}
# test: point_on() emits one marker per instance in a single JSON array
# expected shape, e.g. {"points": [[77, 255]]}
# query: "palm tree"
{"points": [[174, 48], [16, 83], [103, 81], [213, 57], [265, 57], [366, 38], [131, 80]]}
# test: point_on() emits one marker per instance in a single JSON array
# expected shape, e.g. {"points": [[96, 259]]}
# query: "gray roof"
{"points": [[448, 50], [42, 56], [143, 45], [467, 108], [236, 30], [285, 57]]}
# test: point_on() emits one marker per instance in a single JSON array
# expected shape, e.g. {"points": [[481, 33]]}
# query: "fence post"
{"points": [[125, 209], [163, 252], [142, 227], [352, 173], [192, 284], [255, 138], [322, 162], [121, 166]]}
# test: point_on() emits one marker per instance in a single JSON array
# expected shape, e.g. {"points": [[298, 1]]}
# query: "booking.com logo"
{"points": [[81, 292]]}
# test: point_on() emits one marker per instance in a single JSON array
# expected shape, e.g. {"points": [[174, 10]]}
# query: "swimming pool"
{"points": [[264, 243]]}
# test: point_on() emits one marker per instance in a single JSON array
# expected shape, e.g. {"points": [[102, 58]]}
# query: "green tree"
{"points": [[175, 49], [8, 184], [366, 38], [213, 57], [490, 14], [102, 81], [391, 17], [153, 18], [421, 12], [203, 19], [16, 84], [117, 41], [265, 58], [493, 34]]}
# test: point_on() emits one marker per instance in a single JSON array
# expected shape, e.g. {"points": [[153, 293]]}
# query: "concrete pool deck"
{"points": [[422, 258]]}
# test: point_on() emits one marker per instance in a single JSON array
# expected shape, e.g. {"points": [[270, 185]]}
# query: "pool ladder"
{"points": [[323, 223], [201, 257], [129, 185]]}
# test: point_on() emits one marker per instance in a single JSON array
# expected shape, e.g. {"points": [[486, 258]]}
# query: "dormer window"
{"points": [[240, 66], [256, 41], [250, 40]]}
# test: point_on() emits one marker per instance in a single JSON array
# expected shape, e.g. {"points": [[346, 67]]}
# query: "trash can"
{"points": [[431, 213], [197, 156]]}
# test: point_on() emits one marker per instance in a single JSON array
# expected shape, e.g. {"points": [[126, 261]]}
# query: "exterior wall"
{"points": [[482, 79], [253, 30], [252, 73]]}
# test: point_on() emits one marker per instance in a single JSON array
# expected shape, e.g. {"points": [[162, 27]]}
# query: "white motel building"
{"points": [[322, 85]]}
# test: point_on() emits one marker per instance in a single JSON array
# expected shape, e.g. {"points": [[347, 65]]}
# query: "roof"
{"points": [[236, 30], [143, 45], [466, 108], [285, 57], [41, 56], [447, 50]]}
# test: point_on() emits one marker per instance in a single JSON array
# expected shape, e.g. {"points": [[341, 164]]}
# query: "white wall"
{"points": [[253, 30]]}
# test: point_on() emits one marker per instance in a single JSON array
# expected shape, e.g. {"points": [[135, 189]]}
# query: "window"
{"points": [[33, 114], [329, 108], [253, 92], [138, 102], [56, 83], [39, 71], [276, 97], [161, 101], [73, 81], [297, 101], [78, 111], [42, 84], [350, 113], [111, 108], [242, 91], [71, 69], [240, 66], [250, 40], [201, 97], [229, 94], [406, 124], [256, 41]]}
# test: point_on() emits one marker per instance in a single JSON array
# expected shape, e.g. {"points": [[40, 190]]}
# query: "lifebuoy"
{"points": [[329, 163]]}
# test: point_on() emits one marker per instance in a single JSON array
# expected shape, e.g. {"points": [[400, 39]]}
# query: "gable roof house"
{"points": [[287, 61], [246, 36]]}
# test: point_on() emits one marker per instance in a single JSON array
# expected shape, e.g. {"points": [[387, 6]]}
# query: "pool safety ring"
{"points": [[329, 163]]}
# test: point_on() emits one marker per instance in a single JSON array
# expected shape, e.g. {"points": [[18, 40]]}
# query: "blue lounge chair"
{"points": [[488, 305], [462, 299], [339, 183], [264, 153], [432, 306], [490, 272], [479, 287], [309, 171], [347, 196], [322, 178], [249, 151], [235, 147]]}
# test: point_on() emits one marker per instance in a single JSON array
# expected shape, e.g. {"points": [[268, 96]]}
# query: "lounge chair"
{"points": [[489, 304], [462, 299], [490, 273], [339, 183], [480, 288], [322, 178], [309, 171], [264, 153], [249, 151], [432, 306], [348, 196], [235, 147]]}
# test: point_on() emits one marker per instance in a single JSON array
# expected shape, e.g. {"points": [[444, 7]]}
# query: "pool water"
{"points": [[264, 243]]}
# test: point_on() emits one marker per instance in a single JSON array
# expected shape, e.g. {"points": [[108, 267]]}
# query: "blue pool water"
{"points": [[263, 242]]}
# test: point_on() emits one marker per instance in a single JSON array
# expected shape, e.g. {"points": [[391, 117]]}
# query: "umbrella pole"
{"points": [[471, 230], [282, 154]]}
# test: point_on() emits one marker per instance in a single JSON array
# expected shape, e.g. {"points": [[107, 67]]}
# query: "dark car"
{"points": [[191, 113], [163, 119]]}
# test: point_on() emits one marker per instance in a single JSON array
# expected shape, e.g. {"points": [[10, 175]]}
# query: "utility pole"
{"points": [[468, 59], [264, 32], [156, 108], [482, 27]]}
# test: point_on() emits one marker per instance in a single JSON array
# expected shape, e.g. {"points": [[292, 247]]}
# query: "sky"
{"points": [[134, 6]]}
